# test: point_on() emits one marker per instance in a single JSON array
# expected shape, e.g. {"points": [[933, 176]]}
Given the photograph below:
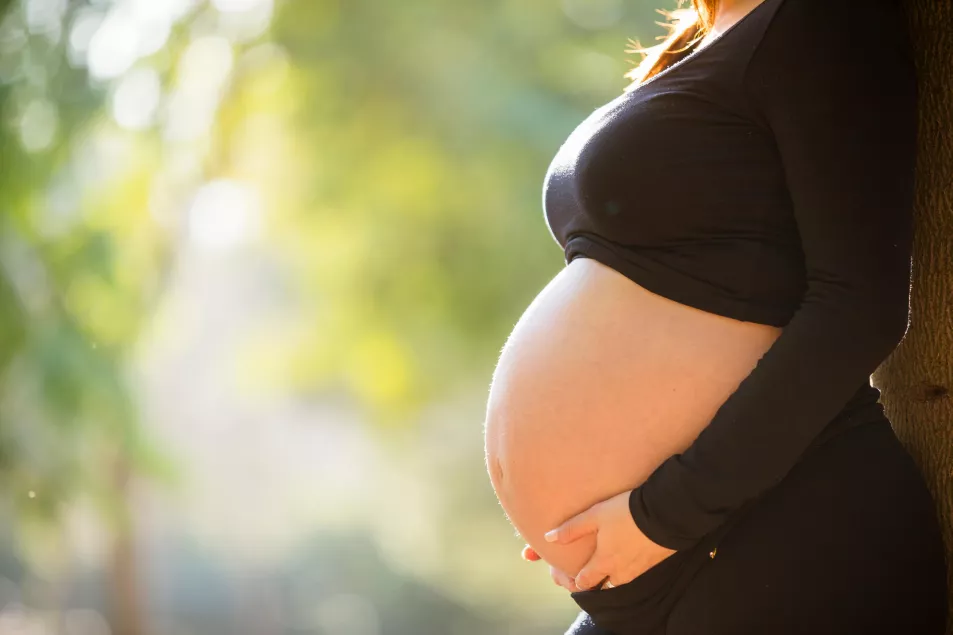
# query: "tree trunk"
{"points": [[127, 615], [916, 380]]}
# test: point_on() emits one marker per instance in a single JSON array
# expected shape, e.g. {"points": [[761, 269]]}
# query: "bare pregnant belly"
{"points": [[600, 382]]}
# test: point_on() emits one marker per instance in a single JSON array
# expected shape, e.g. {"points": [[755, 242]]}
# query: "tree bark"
{"points": [[916, 380], [127, 614]]}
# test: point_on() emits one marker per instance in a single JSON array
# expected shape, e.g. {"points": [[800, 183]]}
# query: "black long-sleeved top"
{"points": [[766, 177]]}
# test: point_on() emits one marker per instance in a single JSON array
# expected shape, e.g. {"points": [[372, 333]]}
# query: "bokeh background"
{"points": [[257, 261]]}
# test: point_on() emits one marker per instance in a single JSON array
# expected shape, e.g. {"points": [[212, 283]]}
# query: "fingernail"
{"points": [[550, 535]]}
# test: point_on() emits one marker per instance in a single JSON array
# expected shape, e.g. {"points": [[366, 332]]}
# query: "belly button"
{"points": [[496, 470]]}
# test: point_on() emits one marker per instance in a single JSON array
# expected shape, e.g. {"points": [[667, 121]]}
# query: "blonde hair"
{"points": [[686, 26]]}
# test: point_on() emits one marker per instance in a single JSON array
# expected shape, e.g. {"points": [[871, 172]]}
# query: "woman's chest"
{"points": [[681, 161]]}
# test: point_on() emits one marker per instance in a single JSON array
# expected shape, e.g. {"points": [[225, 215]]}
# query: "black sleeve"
{"points": [[834, 83]]}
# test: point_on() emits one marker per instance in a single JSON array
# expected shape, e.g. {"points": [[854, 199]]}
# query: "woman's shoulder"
{"points": [[817, 23], [831, 42]]}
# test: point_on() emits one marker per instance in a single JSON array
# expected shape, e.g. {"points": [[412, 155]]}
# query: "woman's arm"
{"points": [[833, 81]]}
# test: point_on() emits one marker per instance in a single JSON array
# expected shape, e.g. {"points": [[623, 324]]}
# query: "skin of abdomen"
{"points": [[599, 382]]}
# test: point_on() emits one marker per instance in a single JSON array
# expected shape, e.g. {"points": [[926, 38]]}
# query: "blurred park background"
{"points": [[257, 261]]}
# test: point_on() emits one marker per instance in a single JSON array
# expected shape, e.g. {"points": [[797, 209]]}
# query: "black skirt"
{"points": [[847, 543]]}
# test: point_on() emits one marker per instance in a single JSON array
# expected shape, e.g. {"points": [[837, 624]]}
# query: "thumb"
{"points": [[589, 577], [573, 529]]}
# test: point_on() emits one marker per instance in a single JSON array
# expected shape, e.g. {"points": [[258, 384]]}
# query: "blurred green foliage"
{"points": [[398, 150], [381, 161], [79, 263], [421, 134]]}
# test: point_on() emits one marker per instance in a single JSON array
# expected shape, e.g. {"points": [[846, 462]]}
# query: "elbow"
{"points": [[872, 302], [877, 320], [899, 326], [891, 321], [903, 316], [884, 299]]}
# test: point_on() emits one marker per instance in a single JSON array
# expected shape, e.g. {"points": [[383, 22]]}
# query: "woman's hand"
{"points": [[560, 578], [622, 552]]}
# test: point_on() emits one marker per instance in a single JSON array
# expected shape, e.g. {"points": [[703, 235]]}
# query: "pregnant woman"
{"points": [[687, 404]]}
